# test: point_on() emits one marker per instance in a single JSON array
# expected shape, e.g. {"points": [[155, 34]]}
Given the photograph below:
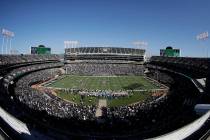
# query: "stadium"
{"points": [[103, 93], [104, 70]]}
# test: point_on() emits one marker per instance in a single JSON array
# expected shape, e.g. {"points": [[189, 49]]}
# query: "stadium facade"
{"points": [[104, 53], [35, 112]]}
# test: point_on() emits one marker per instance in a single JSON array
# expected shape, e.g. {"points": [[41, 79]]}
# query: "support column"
{"points": [[10, 45], [2, 46], [208, 80]]}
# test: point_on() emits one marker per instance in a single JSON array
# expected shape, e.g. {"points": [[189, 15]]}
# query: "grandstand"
{"points": [[104, 53], [49, 99]]}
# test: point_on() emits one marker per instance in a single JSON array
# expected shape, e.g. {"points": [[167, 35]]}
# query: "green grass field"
{"points": [[104, 83], [76, 98], [113, 83], [121, 101]]}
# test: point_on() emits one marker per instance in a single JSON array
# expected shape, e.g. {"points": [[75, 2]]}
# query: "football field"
{"points": [[133, 97], [113, 83]]}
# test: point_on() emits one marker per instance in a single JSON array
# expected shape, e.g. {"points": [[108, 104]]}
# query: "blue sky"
{"points": [[111, 22]]}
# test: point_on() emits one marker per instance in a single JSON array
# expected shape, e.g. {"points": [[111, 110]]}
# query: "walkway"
{"points": [[101, 103]]}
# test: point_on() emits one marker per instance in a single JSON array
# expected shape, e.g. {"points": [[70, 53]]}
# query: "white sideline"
{"points": [[16, 124], [185, 131]]}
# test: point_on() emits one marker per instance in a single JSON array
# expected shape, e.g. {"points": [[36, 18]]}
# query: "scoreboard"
{"points": [[170, 52], [40, 50]]}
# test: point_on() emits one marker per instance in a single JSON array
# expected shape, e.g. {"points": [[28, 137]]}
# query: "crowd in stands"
{"points": [[104, 53], [53, 105], [18, 59], [104, 69], [144, 119], [106, 50], [102, 61], [15, 73], [194, 67], [10, 62], [184, 61], [46, 101], [141, 113], [118, 57]]}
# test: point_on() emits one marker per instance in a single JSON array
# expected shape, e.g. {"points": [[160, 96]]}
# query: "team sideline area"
{"points": [[116, 90]]}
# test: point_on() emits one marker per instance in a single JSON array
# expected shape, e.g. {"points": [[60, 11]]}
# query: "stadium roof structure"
{"points": [[104, 53], [105, 50]]}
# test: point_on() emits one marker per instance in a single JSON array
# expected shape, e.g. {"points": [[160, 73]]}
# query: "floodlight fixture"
{"points": [[7, 33], [7, 36], [140, 43], [203, 36]]}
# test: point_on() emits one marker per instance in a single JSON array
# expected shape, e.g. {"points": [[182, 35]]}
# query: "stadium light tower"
{"points": [[70, 44], [203, 36], [7, 35], [140, 45]]}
